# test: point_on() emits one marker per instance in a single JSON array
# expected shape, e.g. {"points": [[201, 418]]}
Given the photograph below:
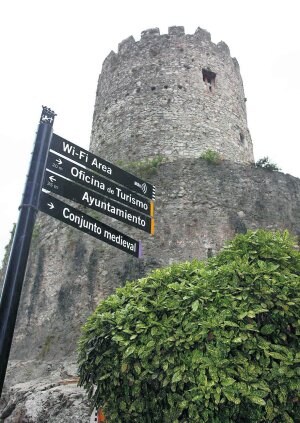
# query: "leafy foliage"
{"points": [[214, 341], [144, 168], [8, 248], [265, 163], [211, 156]]}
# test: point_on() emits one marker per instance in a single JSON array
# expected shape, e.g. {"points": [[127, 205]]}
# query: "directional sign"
{"points": [[99, 184], [85, 223], [102, 167], [88, 198]]}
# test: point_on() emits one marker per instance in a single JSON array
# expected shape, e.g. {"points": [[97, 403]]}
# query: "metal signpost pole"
{"points": [[16, 267]]}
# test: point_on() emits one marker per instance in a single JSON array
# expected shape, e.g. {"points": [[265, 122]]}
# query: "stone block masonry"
{"points": [[199, 207], [173, 95]]}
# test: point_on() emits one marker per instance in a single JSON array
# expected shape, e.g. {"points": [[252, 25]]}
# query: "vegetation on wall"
{"points": [[143, 168], [265, 163], [36, 232], [214, 341], [211, 156], [46, 346], [8, 248], [34, 238]]}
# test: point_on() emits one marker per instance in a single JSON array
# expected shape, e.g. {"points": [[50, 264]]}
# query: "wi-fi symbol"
{"points": [[144, 188]]}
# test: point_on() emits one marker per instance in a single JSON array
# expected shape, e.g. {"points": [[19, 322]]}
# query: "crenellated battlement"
{"points": [[202, 34], [152, 32], [175, 35], [176, 31], [126, 45], [223, 47]]}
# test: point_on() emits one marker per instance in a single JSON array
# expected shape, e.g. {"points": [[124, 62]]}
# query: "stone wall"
{"points": [[199, 207], [50, 398], [158, 96]]}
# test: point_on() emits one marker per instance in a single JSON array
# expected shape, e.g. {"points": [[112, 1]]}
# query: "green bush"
{"points": [[214, 341], [211, 156], [265, 163], [144, 168]]}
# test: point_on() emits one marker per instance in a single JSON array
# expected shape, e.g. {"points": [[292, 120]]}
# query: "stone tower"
{"points": [[173, 95]]}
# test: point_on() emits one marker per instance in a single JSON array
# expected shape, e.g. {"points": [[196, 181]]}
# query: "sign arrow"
{"points": [[52, 179], [98, 183], [51, 206], [101, 166], [85, 223], [100, 203]]}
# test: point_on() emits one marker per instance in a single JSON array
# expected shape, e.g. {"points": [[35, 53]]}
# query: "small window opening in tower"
{"points": [[242, 138], [209, 78]]}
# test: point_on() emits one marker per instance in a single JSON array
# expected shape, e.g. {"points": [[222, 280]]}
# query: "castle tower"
{"points": [[172, 95]]}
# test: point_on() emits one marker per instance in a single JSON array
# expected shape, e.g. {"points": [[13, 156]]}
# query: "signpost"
{"points": [[85, 178], [17, 262]]}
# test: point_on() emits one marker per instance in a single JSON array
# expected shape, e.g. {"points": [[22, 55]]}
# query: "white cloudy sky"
{"points": [[52, 52]]}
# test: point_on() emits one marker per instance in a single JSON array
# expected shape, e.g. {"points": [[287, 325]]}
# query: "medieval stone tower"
{"points": [[171, 96]]}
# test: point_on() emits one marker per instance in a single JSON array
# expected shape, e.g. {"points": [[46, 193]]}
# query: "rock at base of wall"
{"points": [[55, 398]]}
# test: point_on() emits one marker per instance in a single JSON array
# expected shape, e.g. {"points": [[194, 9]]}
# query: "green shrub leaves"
{"points": [[211, 156], [214, 341], [265, 163]]}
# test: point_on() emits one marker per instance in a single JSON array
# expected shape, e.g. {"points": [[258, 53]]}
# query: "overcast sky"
{"points": [[52, 53]]}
